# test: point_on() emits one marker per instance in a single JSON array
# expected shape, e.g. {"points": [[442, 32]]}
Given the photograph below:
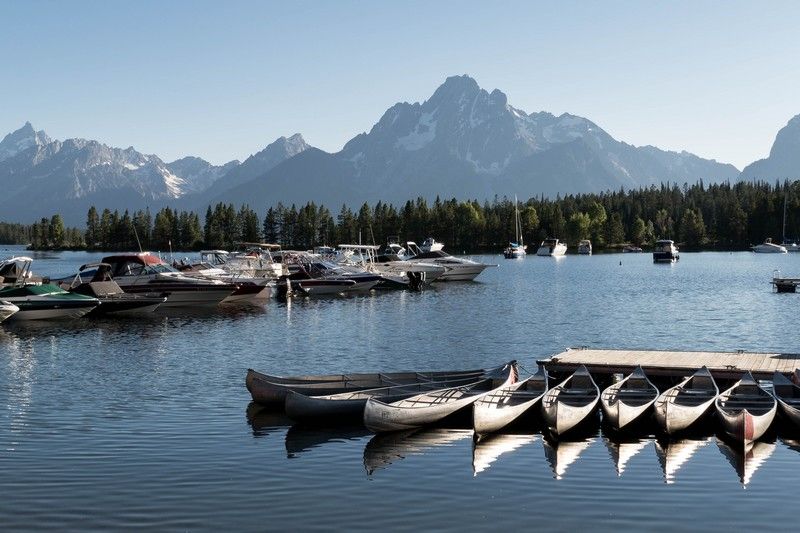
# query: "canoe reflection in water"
{"points": [[487, 450], [561, 454], [304, 438], [674, 454], [386, 448], [623, 451], [746, 459], [264, 422]]}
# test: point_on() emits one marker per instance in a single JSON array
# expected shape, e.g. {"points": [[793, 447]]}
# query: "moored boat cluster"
{"points": [[139, 283]]}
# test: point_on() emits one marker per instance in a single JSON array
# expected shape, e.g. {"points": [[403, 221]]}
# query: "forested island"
{"points": [[699, 217]]}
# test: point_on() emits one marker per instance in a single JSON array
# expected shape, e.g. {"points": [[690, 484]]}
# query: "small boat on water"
{"points": [[746, 410], [7, 309], [665, 251], [46, 302], [113, 300], [631, 249], [268, 390], [788, 396], [551, 247], [769, 247], [679, 407], [429, 408], [346, 406], [570, 402], [145, 273], [585, 247], [629, 400], [517, 249], [458, 268], [499, 408], [36, 300]]}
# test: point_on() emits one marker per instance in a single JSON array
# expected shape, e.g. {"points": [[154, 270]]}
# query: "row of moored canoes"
{"points": [[405, 400]]}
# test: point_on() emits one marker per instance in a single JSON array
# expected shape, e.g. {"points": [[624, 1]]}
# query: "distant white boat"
{"points": [[551, 247], [768, 247], [516, 250], [665, 251], [585, 247]]}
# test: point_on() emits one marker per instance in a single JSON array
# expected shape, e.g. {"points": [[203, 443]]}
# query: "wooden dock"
{"points": [[723, 365]]}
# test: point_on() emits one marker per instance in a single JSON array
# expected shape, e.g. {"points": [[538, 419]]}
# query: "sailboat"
{"points": [[516, 250]]}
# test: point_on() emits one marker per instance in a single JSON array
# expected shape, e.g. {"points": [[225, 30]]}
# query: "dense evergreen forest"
{"points": [[721, 216]]}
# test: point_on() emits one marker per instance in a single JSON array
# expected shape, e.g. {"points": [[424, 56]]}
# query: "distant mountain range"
{"points": [[462, 142]]}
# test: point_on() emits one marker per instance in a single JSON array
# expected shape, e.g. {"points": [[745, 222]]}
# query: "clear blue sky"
{"points": [[222, 79]]}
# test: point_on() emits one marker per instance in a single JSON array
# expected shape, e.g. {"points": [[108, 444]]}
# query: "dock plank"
{"points": [[729, 365]]}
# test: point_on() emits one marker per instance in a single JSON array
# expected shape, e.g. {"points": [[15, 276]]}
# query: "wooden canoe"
{"points": [[499, 408], [788, 396], [679, 407], [746, 410], [429, 408], [629, 400], [333, 408], [570, 402], [271, 391]]}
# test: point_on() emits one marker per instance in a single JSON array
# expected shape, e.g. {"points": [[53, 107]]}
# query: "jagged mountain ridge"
{"points": [[40, 176], [784, 157], [465, 142]]}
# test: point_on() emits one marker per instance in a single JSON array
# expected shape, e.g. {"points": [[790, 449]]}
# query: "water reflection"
{"points": [[623, 451], [675, 454], [487, 450], [387, 448], [562, 454], [302, 439], [265, 421], [747, 459]]}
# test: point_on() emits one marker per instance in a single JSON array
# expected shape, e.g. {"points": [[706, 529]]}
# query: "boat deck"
{"points": [[723, 365]]}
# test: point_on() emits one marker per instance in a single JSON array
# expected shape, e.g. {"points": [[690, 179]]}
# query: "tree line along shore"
{"points": [[699, 217]]}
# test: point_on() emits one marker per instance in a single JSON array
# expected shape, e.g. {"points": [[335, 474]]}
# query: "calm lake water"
{"points": [[145, 423]]}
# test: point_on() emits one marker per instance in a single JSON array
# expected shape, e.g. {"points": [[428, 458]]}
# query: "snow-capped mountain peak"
{"points": [[22, 140]]}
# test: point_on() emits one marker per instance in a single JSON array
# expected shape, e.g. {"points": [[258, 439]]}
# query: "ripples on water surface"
{"points": [[146, 423]]}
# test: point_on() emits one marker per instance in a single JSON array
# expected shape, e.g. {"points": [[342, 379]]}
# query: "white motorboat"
{"points": [[36, 300], [551, 247], [769, 247], [458, 268], [665, 251], [145, 273], [7, 309], [397, 273], [585, 247], [516, 250]]}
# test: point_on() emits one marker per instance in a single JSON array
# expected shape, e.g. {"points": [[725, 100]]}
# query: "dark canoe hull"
{"points": [[271, 391]]}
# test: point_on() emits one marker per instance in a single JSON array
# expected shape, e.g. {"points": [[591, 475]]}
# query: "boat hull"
{"points": [[462, 272], [50, 311], [498, 409], [744, 426], [674, 418]]}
